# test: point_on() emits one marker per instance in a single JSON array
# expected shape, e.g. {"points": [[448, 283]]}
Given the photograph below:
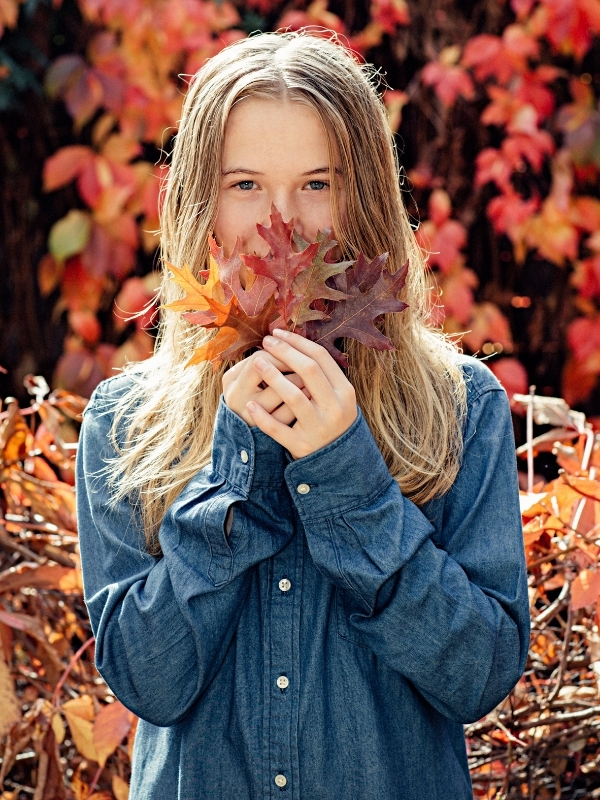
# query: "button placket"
{"points": [[282, 667]]}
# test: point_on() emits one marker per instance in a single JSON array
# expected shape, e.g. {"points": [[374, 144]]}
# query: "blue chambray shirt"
{"points": [[333, 644]]}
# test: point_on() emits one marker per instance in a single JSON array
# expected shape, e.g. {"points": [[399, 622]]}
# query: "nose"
{"points": [[284, 203]]}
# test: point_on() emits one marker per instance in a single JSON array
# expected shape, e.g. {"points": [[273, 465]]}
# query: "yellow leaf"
{"points": [[120, 788], [79, 713], [58, 726]]}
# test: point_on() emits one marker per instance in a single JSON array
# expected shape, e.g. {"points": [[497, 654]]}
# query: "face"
{"points": [[274, 152]]}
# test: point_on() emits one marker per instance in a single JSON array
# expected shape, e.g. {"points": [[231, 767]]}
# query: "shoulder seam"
{"points": [[485, 390]]}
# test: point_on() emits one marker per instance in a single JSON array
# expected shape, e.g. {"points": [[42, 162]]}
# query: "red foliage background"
{"points": [[499, 129]]}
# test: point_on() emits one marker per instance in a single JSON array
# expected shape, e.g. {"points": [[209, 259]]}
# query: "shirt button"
{"points": [[244, 456], [285, 585], [280, 780], [282, 682], [303, 488]]}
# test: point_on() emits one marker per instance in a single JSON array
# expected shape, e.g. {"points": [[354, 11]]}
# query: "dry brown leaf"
{"points": [[46, 576], [79, 787], [50, 784], [10, 709], [111, 726]]}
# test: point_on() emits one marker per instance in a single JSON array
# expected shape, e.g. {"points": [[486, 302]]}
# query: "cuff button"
{"points": [[303, 488], [244, 456]]}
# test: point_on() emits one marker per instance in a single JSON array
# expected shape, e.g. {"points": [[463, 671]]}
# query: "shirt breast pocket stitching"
{"points": [[236, 534]]}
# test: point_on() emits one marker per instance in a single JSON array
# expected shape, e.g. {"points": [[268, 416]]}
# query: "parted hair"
{"points": [[413, 398]]}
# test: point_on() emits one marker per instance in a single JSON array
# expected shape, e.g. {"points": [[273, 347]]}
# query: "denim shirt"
{"points": [[333, 643]]}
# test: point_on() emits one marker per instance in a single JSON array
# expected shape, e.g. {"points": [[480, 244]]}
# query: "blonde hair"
{"points": [[413, 398]]}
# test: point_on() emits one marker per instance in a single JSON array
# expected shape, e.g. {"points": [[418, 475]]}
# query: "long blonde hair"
{"points": [[413, 398]]}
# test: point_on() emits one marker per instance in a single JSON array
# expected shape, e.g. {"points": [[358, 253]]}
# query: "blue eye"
{"points": [[320, 185], [245, 185]]}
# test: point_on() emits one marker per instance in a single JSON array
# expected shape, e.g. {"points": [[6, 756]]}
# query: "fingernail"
{"points": [[251, 406], [260, 363], [270, 340], [280, 332]]}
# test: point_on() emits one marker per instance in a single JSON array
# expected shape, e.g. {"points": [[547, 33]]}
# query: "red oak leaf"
{"points": [[251, 298], [282, 264], [353, 318], [310, 284]]}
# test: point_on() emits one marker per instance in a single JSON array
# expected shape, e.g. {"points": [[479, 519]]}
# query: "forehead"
{"points": [[261, 129]]}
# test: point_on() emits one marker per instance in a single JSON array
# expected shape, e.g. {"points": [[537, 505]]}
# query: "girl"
{"points": [[303, 580]]}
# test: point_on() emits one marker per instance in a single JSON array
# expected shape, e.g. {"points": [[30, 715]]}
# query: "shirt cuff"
{"points": [[245, 457], [347, 473]]}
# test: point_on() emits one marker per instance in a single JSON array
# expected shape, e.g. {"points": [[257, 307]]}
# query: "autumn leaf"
{"points": [[120, 788], [251, 298], [295, 286], [585, 589], [65, 165], [111, 726], [79, 714], [198, 294], [447, 77], [584, 486], [10, 710], [353, 318], [310, 284], [48, 576], [237, 333], [282, 264]]}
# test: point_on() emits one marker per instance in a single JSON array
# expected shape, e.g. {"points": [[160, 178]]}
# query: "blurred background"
{"points": [[495, 108]]}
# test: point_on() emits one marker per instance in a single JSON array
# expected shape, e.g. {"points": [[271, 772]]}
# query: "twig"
{"points": [[554, 607], [94, 782], [71, 664], [564, 657], [569, 717], [6, 541]]}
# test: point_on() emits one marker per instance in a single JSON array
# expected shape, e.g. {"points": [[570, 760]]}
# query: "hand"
{"points": [[242, 383], [322, 414]]}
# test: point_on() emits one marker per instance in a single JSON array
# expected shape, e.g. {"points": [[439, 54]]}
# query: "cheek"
{"points": [[229, 226]]}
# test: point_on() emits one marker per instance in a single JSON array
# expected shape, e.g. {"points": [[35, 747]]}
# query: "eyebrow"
{"points": [[244, 171]]}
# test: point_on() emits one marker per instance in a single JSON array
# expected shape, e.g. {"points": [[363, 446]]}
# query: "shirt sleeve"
{"points": [[444, 604], [163, 624]]}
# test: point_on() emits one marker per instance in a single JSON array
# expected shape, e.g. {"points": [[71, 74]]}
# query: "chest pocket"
{"points": [[345, 628]]}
